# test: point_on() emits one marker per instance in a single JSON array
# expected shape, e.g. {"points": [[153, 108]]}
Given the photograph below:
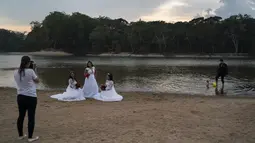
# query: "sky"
{"points": [[17, 14]]}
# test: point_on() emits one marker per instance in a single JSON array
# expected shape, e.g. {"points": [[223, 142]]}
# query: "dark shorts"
{"points": [[220, 75]]}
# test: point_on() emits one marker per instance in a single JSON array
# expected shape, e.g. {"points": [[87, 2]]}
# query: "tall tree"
{"points": [[80, 34]]}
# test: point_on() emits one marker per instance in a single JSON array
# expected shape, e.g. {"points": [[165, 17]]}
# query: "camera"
{"points": [[32, 65]]}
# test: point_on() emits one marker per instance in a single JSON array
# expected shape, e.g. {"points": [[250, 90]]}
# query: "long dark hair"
{"points": [[90, 63], [110, 76], [70, 75], [24, 61]]}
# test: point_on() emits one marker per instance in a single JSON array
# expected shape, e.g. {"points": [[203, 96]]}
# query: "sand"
{"points": [[43, 53], [49, 53], [139, 118]]}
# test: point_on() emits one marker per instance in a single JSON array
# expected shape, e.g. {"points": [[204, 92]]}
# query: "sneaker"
{"points": [[33, 139], [22, 137]]}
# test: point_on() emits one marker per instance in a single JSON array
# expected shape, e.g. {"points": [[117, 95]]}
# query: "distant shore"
{"points": [[123, 54], [171, 56], [140, 117], [43, 53]]}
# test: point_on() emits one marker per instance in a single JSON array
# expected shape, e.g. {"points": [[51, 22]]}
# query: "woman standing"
{"points": [[90, 88], [26, 80]]}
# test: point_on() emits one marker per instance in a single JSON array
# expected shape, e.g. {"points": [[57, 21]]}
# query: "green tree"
{"points": [[11, 41], [80, 34]]}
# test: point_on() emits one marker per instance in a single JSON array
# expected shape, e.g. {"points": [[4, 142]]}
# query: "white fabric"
{"points": [[26, 86], [72, 83], [90, 87], [109, 94], [71, 94]]}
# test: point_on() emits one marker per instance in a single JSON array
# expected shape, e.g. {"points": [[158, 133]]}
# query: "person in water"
{"points": [[207, 84], [222, 71]]}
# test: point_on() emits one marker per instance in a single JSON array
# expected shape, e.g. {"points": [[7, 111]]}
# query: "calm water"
{"points": [[139, 74]]}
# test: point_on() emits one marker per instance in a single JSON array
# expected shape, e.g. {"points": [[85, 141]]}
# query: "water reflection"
{"points": [[220, 92], [187, 76]]}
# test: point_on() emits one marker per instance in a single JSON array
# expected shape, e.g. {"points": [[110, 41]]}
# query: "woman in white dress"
{"points": [[90, 88], [73, 91], [108, 92]]}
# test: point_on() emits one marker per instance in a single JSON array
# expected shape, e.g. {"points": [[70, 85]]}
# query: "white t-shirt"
{"points": [[26, 86]]}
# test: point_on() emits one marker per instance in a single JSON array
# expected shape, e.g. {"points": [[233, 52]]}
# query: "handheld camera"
{"points": [[32, 65]]}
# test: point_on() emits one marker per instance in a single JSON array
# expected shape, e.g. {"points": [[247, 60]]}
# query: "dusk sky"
{"points": [[17, 14]]}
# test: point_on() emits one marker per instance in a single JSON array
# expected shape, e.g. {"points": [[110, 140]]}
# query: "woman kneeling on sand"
{"points": [[73, 91], [108, 92]]}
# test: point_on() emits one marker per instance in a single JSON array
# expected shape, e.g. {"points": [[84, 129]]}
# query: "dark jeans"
{"points": [[222, 77], [26, 103]]}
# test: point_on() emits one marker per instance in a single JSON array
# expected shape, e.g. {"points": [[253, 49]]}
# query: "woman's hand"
{"points": [[86, 75], [36, 80], [103, 87]]}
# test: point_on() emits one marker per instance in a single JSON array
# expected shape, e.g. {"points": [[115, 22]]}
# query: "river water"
{"points": [[171, 75]]}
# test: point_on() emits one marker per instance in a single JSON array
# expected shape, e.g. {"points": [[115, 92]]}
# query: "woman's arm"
{"points": [[93, 69], [85, 71], [34, 76], [109, 85], [226, 69], [72, 83]]}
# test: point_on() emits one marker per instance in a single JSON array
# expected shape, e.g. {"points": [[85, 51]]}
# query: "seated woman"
{"points": [[73, 91], [108, 92]]}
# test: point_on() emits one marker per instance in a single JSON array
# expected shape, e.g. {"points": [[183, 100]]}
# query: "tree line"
{"points": [[80, 34], [11, 41]]}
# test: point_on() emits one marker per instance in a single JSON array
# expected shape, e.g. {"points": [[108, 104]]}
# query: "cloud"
{"points": [[233, 7], [127, 9], [185, 10], [19, 13], [163, 12], [21, 28], [6, 23], [25, 11], [181, 10], [22, 12]]}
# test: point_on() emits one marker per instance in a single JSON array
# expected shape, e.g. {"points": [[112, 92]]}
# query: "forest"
{"points": [[80, 34]]}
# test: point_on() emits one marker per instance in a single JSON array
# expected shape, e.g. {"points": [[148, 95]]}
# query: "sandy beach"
{"points": [[43, 53], [139, 118]]}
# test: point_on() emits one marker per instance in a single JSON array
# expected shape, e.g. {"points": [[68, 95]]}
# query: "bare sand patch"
{"points": [[139, 118]]}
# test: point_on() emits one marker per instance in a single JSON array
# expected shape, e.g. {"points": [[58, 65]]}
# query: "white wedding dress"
{"points": [[109, 94], [71, 93], [90, 88]]}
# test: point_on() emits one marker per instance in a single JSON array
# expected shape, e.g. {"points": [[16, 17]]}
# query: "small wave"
{"points": [[247, 88]]}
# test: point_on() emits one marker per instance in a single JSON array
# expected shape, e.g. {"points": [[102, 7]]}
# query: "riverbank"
{"points": [[227, 55], [61, 53], [43, 53], [140, 117]]}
